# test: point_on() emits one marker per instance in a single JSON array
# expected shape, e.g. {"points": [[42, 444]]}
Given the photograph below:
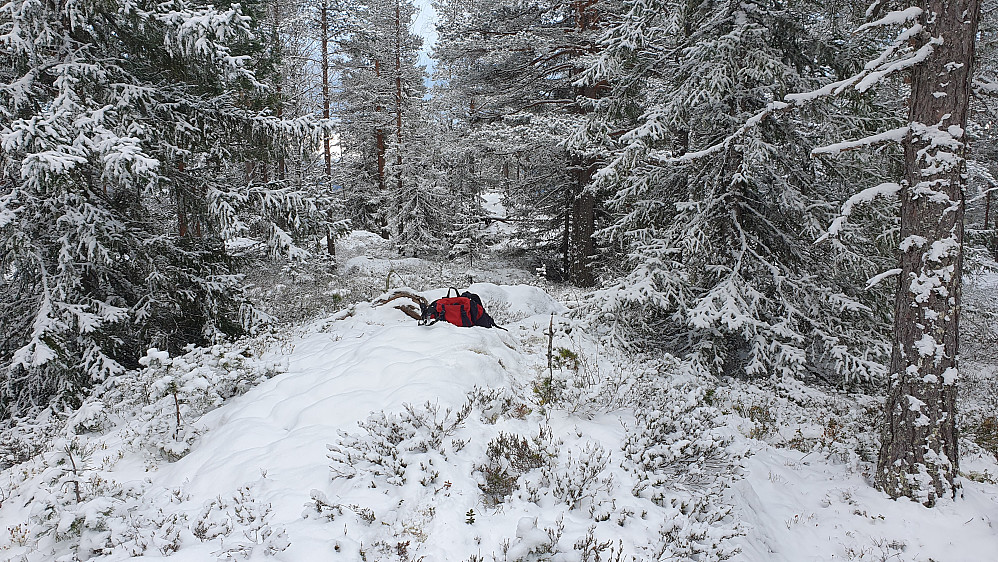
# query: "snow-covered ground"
{"points": [[362, 436]]}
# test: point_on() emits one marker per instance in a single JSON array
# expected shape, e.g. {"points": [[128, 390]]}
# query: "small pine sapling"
{"points": [[68, 449]]}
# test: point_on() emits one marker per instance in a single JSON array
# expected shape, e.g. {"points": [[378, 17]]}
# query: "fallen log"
{"points": [[412, 311]]}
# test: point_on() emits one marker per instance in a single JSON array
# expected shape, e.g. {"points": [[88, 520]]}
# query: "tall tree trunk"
{"points": [[583, 212], [398, 92], [987, 210], [399, 37], [330, 241], [992, 243], [566, 235], [380, 147], [330, 235], [582, 203], [379, 137], [182, 226], [918, 456], [325, 89], [281, 162]]}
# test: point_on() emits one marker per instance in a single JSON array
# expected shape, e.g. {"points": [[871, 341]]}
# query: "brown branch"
{"points": [[489, 218], [409, 311], [401, 294], [559, 51], [545, 102]]}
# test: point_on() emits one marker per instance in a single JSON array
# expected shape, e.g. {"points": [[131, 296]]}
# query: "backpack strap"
{"points": [[428, 314], [477, 309], [456, 292], [466, 316]]}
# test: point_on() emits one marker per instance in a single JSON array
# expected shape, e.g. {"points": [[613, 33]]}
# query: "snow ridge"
{"points": [[365, 437]]}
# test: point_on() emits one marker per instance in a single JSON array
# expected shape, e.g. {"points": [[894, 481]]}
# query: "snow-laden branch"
{"points": [[874, 72], [985, 86], [876, 279], [893, 18], [749, 123], [894, 135], [8, 209], [874, 76], [865, 196]]}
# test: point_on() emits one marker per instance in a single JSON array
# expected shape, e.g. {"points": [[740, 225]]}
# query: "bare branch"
{"points": [[409, 311], [400, 294]]}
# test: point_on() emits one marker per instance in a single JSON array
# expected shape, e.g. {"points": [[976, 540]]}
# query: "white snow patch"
{"points": [[927, 346]]}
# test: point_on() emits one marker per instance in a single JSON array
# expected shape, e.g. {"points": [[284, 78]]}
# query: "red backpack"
{"points": [[463, 309]]}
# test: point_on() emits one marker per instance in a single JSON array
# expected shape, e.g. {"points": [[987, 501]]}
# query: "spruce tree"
{"points": [[717, 220], [135, 139]]}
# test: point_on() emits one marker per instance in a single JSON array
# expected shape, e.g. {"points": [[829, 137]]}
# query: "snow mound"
{"points": [[261, 451], [509, 303], [366, 437], [376, 360], [360, 243]]}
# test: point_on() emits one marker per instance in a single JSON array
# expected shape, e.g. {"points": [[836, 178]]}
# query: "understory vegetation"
{"points": [[741, 256], [600, 454]]}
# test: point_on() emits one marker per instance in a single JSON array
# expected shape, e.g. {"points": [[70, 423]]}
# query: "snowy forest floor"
{"points": [[351, 433]]}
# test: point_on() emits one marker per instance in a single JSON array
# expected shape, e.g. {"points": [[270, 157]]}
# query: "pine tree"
{"points": [[919, 457], [380, 104]]}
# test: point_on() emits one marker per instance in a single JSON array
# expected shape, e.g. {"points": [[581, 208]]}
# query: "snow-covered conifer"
{"points": [[136, 140], [720, 263], [515, 67], [380, 122]]}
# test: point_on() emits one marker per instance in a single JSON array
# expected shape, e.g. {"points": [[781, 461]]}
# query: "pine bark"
{"points": [[919, 457], [583, 213], [330, 235], [379, 136], [281, 161], [182, 226], [992, 243], [325, 89], [581, 204], [399, 32]]}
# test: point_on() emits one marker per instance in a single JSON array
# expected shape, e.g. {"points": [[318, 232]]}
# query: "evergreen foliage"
{"points": [[687, 157], [512, 68], [720, 261], [982, 204], [135, 139], [382, 124]]}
